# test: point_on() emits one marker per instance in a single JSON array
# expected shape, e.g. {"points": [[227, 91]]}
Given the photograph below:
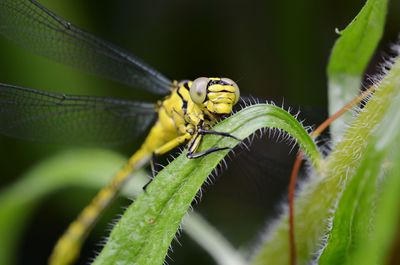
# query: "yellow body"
{"points": [[179, 121]]}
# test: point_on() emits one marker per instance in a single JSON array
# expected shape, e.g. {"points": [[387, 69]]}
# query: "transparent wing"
{"points": [[34, 27], [40, 116]]}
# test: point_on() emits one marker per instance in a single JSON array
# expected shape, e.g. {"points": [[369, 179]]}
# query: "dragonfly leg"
{"points": [[204, 132], [162, 150], [196, 140], [155, 167], [172, 144], [193, 155], [154, 170]]}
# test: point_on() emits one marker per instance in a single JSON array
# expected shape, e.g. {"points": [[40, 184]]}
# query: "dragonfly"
{"points": [[187, 111]]}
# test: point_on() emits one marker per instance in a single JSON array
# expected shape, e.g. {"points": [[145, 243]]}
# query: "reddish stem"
{"points": [[292, 188], [298, 162]]}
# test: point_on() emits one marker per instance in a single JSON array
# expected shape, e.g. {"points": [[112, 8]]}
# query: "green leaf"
{"points": [[382, 239], [350, 56], [145, 231], [351, 240], [91, 168], [318, 196], [211, 240], [353, 217]]}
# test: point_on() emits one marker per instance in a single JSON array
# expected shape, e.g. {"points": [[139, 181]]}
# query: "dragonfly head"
{"points": [[217, 95]]}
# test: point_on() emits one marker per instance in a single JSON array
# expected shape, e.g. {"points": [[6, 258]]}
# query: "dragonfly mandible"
{"points": [[186, 113]]}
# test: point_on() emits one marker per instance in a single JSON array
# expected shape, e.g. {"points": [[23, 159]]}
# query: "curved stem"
{"points": [[298, 162]]}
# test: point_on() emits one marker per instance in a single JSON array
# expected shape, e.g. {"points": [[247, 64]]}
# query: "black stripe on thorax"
{"points": [[184, 101], [186, 85]]}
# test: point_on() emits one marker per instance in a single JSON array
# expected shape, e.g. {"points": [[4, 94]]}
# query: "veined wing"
{"points": [[36, 28], [40, 116]]}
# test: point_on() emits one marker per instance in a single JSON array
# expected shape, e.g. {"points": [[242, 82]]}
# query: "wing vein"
{"points": [[33, 26], [49, 117]]}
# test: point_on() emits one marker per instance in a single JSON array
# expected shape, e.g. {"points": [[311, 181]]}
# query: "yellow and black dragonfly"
{"points": [[187, 112]]}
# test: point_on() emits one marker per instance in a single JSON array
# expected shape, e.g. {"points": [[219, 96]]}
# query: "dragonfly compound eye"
{"points": [[237, 91], [198, 90]]}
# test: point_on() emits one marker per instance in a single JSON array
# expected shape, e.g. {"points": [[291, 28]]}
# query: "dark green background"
{"points": [[276, 50]]}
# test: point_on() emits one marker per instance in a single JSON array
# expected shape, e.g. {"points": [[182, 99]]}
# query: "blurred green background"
{"points": [[275, 50]]}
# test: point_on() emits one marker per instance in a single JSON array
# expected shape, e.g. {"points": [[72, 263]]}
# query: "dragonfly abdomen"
{"points": [[180, 120]]}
